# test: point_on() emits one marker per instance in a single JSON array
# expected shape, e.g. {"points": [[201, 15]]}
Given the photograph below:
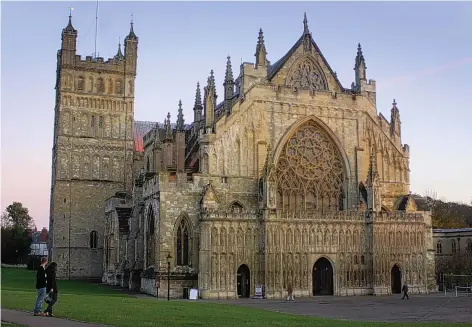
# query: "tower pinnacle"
{"points": [[261, 52], [180, 118], [305, 25]]}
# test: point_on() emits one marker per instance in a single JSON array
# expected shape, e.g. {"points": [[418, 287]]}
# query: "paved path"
{"points": [[419, 308], [27, 319]]}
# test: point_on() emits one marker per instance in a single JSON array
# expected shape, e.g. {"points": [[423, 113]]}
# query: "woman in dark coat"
{"points": [[51, 287]]}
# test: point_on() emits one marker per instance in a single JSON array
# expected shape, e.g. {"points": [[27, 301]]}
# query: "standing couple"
{"points": [[46, 286]]}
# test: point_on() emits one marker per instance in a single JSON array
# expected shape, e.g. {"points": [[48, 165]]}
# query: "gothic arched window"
{"points": [[453, 246], [93, 239], [182, 244], [310, 169], [100, 86], [80, 83], [150, 222], [439, 247], [469, 245], [119, 87], [236, 207]]}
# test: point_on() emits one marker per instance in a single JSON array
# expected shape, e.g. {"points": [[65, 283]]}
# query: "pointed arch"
{"points": [[311, 165], [183, 240], [306, 73], [236, 207]]}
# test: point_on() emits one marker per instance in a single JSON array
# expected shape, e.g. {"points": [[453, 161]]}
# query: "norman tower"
{"points": [[92, 150]]}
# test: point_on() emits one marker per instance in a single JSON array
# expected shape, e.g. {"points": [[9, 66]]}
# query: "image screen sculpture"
{"points": [[309, 172]]}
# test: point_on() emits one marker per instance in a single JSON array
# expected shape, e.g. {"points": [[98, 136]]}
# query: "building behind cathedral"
{"points": [[290, 179]]}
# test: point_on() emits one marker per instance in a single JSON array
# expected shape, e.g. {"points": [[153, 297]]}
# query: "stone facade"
{"points": [[290, 180], [93, 146], [450, 241]]}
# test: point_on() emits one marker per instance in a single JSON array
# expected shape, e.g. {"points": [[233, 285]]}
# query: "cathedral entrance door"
{"points": [[323, 277], [243, 281], [396, 280]]}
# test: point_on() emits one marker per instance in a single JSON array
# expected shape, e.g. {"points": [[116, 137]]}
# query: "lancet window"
{"points": [[310, 172], [182, 244], [150, 239]]}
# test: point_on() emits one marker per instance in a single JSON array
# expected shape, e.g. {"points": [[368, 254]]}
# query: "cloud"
{"points": [[427, 72]]}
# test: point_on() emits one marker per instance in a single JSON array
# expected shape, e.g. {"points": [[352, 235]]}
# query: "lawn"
{"points": [[101, 304]]}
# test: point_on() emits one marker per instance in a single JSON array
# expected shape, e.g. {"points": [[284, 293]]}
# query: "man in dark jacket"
{"points": [[40, 287], [51, 287], [405, 291]]}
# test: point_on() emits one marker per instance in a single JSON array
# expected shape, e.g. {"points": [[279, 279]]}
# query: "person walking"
{"points": [[40, 287], [290, 293], [51, 287], [405, 291]]}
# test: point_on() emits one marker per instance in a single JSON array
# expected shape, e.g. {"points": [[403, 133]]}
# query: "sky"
{"points": [[420, 53]]}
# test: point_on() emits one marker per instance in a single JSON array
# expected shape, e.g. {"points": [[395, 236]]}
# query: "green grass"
{"points": [[100, 304], [10, 324]]}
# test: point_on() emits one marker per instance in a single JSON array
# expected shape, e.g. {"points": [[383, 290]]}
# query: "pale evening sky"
{"points": [[419, 53]]}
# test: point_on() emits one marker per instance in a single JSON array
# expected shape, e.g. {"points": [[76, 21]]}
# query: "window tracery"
{"points": [[309, 171], [307, 76], [182, 244]]}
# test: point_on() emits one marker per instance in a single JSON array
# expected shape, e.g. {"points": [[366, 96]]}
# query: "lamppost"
{"points": [[168, 276]]}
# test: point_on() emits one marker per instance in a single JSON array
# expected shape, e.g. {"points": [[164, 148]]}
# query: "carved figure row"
{"points": [[97, 103], [306, 238], [224, 268], [90, 167], [400, 241], [92, 84], [93, 125]]}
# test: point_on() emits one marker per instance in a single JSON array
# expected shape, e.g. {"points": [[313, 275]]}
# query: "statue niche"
{"points": [[309, 172], [305, 75]]}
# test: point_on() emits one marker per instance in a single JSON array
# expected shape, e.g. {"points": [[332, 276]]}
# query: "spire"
{"points": [[157, 139], [210, 103], [119, 54], [305, 25], [168, 128], [360, 57], [198, 97], [228, 86], [395, 119], [69, 28], [229, 71], [131, 35], [261, 52], [373, 173], [180, 118]]}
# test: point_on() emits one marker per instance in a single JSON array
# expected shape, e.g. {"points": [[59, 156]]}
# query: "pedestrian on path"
{"points": [[51, 287], [405, 291], [40, 287], [290, 293]]}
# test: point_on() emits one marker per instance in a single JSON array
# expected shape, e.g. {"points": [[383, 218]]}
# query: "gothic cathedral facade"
{"points": [[290, 180]]}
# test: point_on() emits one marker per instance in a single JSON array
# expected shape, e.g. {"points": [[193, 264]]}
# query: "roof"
{"points": [[274, 68], [421, 202], [141, 128], [452, 230]]}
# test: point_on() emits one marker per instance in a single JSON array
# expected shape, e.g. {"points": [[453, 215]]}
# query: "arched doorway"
{"points": [[396, 280], [323, 277], [243, 281]]}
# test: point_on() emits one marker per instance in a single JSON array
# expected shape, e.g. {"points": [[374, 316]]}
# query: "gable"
{"points": [[304, 66]]}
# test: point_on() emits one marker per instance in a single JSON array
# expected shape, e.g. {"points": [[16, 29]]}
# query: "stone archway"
{"points": [[311, 170], [323, 277], [396, 279], [243, 281]]}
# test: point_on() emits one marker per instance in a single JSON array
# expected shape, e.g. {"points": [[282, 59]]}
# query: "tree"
{"points": [[18, 216], [17, 226]]}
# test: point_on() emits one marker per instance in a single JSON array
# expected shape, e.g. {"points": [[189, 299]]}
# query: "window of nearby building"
{"points": [[453, 246], [93, 239], [439, 247], [469, 245]]}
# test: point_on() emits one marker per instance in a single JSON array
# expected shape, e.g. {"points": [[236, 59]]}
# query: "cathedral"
{"points": [[289, 180]]}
